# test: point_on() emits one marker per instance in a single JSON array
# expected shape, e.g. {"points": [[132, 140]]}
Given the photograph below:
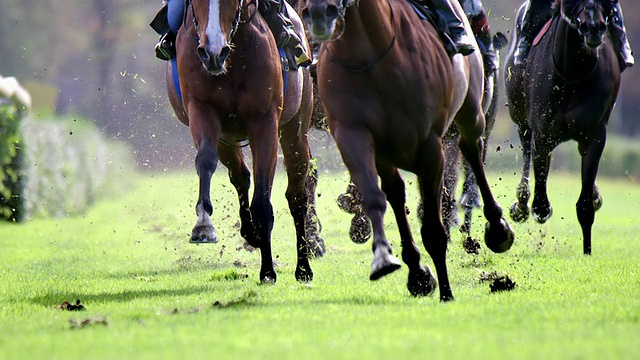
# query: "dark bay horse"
{"points": [[565, 90], [231, 89], [390, 91]]}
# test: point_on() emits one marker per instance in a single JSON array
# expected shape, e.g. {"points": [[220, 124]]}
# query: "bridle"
{"points": [[242, 8]]}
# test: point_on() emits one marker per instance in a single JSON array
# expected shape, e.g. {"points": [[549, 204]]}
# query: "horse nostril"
{"points": [[224, 53], [203, 55], [583, 28], [331, 12]]}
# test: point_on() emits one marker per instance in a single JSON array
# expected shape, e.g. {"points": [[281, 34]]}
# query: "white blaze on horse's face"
{"points": [[216, 38]]}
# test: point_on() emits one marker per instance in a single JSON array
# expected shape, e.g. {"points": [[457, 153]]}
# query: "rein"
{"points": [[370, 64]]}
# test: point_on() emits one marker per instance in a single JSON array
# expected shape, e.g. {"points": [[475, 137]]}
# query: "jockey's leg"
{"points": [[461, 40], [274, 12], [619, 37], [167, 23], [482, 32], [535, 15]]}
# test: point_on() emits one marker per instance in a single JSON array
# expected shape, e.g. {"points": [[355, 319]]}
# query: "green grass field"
{"points": [[149, 294]]}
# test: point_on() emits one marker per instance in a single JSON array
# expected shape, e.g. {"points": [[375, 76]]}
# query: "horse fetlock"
{"points": [[499, 236], [421, 282]]}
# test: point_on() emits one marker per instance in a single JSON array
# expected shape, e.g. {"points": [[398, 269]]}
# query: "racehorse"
{"points": [[231, 89], [565, 90], [390, 90], [351, 200]]}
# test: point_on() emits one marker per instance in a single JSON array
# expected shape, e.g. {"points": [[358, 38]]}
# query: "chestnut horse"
{"points": [[565, 90], [231, 89], [390, 91]]}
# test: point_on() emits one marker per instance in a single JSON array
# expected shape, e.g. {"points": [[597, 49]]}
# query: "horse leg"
{"points": [[358, 154], [206, 163], [295, 150], [540, 206], [587, 202], [519, 210], [449, 207], [312, 225], [470, 198], [421, 281], [498, 234], [433, 232], [240, 177], [264, 146]]}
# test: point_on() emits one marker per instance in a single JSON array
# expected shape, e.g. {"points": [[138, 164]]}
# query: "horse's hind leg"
{"points": [[589, 199], [357, 150], [295, 149], [312, 225], [451, 165], [421, 281], [540, 206], [433, 233], [240, 177], [498, 234], [519, 210], [206, 163]]}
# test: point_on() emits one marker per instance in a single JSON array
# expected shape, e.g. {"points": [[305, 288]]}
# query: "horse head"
{"points": [[589, 18], [214, 23], [324, 17]]}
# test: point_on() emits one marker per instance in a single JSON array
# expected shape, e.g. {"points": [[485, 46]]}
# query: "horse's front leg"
{"points": [[295, 150], [498, 234], [358, 154], [589, 200], [206, 163], [240, 177], [263, 138], [434, 236], [421, 281]]}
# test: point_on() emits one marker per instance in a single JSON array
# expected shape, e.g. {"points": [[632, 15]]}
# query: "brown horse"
{"points": [[390, 91], [565, 90], [231, 90]]}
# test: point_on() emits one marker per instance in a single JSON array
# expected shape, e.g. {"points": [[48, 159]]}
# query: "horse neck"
{"points": [[570, 56], [368, 30]]}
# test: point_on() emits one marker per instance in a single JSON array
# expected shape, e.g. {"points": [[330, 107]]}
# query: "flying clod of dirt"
{"points": [[71, 307], [471, 246], [499, 282]]}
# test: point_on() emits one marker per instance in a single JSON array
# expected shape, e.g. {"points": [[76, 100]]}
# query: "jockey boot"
{"points": [[619, 38], [166, 47], [462, 42], [525, 39], [274, 12]]}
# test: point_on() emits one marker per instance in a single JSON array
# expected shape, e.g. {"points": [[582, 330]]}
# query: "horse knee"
{"points": [[206, 159]]}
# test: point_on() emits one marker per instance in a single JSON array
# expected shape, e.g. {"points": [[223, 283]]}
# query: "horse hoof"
{"points": [[268, 279], [203, 234], [542, 218], [360, 230], [348, 203], [304, 275], [421, 282], [519, 214], [499, 238], [317, 247], [383, 263]]}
